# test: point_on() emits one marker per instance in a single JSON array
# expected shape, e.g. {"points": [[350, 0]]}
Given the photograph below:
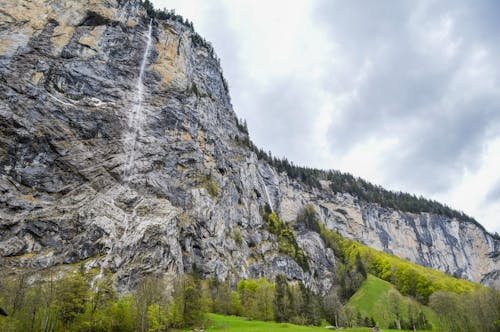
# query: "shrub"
{"points": [[287, 244], [210, 185]]}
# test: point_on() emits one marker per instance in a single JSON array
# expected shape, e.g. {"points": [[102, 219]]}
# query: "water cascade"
{"points": [[136, 117], [268, 198]]}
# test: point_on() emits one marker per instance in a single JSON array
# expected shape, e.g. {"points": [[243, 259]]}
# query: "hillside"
{"points": [[373, 300]]}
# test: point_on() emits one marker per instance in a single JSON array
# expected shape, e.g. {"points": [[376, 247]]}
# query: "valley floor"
{"points": [[240, 324]]}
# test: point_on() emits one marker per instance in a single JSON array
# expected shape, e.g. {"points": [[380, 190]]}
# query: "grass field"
{"points": [[372, 298], [372, 294], [240, 324], [233, 323]]}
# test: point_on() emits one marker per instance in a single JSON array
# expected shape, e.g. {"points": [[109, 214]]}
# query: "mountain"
{"points": [[120, 150]]}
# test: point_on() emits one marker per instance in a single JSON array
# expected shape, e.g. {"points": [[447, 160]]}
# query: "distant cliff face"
{"points": [[461, 249], [120, 149]]}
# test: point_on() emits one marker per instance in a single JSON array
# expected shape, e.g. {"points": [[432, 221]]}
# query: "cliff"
{"points": [[120, 149]]}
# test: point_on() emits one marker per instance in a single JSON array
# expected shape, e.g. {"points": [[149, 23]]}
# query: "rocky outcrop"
{"points": [[71, 80], [459, 248]]}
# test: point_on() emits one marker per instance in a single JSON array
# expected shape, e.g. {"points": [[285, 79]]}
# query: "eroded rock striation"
{"points": [[86, 84]]}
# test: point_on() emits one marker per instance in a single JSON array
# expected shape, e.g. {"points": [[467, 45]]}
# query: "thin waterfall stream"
{"points": [[268, 198], [136, 118], [134, 130]]}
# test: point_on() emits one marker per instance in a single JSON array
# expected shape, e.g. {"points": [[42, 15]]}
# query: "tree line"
{"points": [[79, 301], [82, 301], [340, 182], [164, 14]]}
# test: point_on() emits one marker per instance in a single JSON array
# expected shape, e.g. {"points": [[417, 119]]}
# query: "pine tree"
{"points": [[360, 268]]}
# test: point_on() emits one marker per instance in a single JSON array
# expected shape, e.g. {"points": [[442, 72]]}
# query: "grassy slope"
{"points": [[373, 296], [240, 324]]}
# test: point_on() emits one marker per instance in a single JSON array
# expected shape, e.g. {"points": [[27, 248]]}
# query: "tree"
{"points": [[149, 290], [360, 268], [312, 307], [349, 314], [236, 307], [296, 304], [265, 299], [72, 294], [14, 291], [157, 318], [359, 319], [332, 307], [221, 296], [187, 309], [149, 8], [394, 303], [101, 298], [193, 313], [414, 311], [282, 312], [307, 216], [123, 314], [247, 290]]}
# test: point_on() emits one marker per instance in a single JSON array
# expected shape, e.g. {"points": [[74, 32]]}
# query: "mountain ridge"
{"points": [[345, 181], [194, 185]]}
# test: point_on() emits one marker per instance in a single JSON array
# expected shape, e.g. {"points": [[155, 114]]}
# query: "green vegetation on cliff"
{"points": [[410, 279], [287, 243]]}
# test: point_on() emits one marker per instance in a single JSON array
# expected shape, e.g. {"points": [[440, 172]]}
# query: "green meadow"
{"points": [[240, 324], [372, 300]]}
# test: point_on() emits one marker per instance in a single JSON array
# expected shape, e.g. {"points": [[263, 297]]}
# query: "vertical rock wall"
{"points": [[69, 73]]}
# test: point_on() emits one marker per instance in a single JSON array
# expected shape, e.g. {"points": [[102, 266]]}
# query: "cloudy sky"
{"points": [[405, 94]]}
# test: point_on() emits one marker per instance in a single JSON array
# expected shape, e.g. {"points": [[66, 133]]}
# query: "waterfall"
{"points": [[136, 117], [268, 198]]}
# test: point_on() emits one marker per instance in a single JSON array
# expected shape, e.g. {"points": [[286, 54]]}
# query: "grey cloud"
{"points": [[283, 117], [494, 194], [407, 91], [441, 148]]}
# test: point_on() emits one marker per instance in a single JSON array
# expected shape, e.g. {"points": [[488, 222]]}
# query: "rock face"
{"points": [[462, 249], [82, 92]]}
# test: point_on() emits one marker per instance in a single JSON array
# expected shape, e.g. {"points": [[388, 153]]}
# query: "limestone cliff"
{"points": [[120, 148]]}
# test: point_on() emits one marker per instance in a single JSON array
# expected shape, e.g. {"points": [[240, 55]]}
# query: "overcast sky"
{"points": [[405, 94]]}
